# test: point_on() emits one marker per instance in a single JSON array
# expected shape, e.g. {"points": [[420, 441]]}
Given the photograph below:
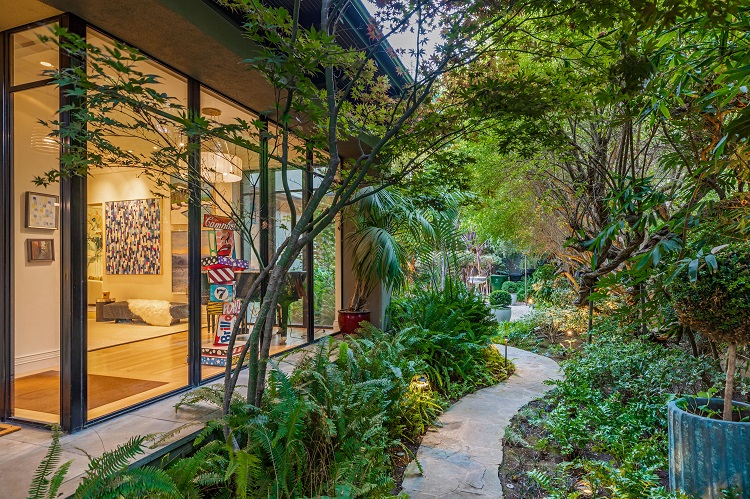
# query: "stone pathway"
{"points": [[461, 459]]}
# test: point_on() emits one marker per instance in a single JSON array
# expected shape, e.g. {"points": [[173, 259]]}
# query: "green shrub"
{"points": [[500, 299], [612, 401], [451, 332], [718, 305], [520, 333], [550, 289], [510, 287]]}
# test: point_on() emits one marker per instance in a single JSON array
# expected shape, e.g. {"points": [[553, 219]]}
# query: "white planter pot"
{"points": [[502, 314], [513, 297]]}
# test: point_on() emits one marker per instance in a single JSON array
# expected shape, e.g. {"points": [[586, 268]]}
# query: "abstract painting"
{"points": [[132, 231], [41, 210]]}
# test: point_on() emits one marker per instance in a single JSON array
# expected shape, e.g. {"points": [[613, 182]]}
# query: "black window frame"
{"points": [[73, 279]]}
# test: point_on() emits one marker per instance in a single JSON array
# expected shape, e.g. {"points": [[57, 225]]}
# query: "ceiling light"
{"points": [[215, 164], [41, 140], [46, 64], [230, 177]]}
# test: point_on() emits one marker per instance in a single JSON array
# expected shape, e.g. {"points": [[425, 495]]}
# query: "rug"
{"points": [[154, 312], [41, 392], [7, 429]]}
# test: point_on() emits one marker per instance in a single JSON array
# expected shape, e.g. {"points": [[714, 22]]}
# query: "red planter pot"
{"points": [[349, 321]]}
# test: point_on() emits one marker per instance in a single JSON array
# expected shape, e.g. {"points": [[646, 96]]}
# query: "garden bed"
{"points": [[527, 460]]}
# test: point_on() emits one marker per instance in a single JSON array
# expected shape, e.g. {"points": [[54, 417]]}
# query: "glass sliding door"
{"points": [[36, 268], [230, 232], [137, 226], [326, 259], [285, 205], [35, 380]]}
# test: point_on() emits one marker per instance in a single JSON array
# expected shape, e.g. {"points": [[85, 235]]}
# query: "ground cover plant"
{"points": [[602, 430], [337, 425]]}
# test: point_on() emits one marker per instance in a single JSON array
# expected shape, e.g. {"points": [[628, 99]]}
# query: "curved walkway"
{"points": [[461, 459]]}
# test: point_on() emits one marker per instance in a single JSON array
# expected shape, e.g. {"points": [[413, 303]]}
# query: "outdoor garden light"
{"points": [[420, 383], [531, 301], [584, 487], [569, 333]]}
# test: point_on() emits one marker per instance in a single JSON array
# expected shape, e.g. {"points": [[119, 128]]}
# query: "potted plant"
{"points": [[512, 288], [709, 438], [500, 305], [379, 220]]}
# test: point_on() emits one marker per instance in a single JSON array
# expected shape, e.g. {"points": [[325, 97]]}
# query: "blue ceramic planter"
{"points": [[708, 455]]}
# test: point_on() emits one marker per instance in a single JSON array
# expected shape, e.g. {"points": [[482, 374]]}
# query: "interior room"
{"points": [[137, 303]]}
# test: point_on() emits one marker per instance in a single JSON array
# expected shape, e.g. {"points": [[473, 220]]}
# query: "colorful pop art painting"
{"points": [[133, 236]]}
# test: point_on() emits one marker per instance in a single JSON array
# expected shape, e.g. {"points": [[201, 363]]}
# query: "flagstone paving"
{"points": [[461, 458], [22, 451]]}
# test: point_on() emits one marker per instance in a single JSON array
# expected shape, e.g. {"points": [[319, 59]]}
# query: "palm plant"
{"points": [[384, 221]]}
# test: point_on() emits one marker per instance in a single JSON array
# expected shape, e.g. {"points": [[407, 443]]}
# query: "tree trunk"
{"points": [[729, 389], [691, 339]]}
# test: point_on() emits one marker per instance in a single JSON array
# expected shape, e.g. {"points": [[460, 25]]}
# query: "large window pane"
{"points": [[325, 260], [231, 211], [31, 56], [137, 269], [36, 259], [292, 317]]}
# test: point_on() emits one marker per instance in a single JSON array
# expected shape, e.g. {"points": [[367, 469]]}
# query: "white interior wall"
{"points": [[36, 302], [123, 185]]}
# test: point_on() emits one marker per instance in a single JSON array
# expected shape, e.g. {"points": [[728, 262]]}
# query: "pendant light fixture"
{"points": [[219, 166]]}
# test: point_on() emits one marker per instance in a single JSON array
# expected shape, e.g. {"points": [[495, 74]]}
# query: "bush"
{"points": [[718, 303], [550, 289], [607, 417], [510, 287], [500, 299], [451, 332]]}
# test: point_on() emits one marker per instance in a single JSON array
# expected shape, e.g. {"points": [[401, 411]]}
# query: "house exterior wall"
{"points": [[64, 316]]}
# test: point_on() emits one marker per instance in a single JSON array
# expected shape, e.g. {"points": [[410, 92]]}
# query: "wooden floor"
{"points": [[162, 359]]}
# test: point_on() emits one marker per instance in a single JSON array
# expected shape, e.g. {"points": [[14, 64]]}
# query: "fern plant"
{"points": [[109, 477], [49, 476]]}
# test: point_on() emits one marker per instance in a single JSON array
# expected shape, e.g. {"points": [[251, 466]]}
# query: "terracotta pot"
{"points": [[349, 320]]}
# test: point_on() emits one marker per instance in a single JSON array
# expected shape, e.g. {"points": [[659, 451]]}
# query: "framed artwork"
{"points": [[40, 250], [94, 241], [179, 261], [132, 237], [41, 210]]}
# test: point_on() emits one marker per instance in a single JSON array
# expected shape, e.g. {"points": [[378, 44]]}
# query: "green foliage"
{"points": [[500, 299], [510, 287], [550, 289], [450, 331], [329, 428], [49, 476], [718, 303], [612, 402], [108, 476]]}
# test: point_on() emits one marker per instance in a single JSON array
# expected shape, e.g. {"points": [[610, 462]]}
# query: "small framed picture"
{"points": [[40, 250], [41, 210]]}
